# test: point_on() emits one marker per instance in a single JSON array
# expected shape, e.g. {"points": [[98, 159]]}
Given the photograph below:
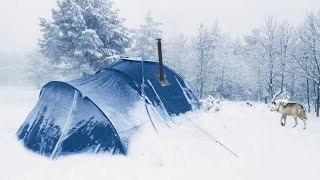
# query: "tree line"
{"points": [[276, 60]]}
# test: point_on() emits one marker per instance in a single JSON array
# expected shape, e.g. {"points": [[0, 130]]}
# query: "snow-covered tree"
{"points": [[253, 54], [178, 55], [268, 42], [285, 42], [307, 51], [84, 36], [269, 47], [145, 44], [204, 44], [38, 70]]}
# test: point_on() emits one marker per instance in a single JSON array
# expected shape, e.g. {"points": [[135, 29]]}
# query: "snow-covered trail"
{"points": [[266, 150]]}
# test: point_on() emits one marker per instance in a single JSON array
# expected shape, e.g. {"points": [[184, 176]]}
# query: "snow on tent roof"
{"points": [[94, 113], [177, 97]]}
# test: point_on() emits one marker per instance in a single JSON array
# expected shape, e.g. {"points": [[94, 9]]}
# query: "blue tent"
{"points": [[94, 113]]}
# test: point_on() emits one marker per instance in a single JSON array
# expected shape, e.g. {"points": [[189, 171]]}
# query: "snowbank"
{"points": [[266, 150]]}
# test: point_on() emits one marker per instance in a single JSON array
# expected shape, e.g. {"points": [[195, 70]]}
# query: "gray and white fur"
{"points": [[290, 109]]}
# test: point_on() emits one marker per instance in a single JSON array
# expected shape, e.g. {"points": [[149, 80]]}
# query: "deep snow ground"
{"points": [[266, 150]]}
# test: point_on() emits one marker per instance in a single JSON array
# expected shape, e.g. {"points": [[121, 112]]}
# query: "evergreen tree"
{"points": [[145, 45], [84, 36]]}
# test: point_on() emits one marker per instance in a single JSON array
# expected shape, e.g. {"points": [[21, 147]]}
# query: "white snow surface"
{"points": [[266, 150]]}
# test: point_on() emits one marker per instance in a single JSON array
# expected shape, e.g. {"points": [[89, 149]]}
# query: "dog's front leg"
{"points": [[296, 121], [283, 117], [284, 120]]}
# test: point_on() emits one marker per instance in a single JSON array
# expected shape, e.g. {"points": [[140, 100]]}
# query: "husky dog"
{"points": [[292, 109]]}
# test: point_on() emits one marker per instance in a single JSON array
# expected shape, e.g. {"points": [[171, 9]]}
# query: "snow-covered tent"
{"points": [[95, 113]]}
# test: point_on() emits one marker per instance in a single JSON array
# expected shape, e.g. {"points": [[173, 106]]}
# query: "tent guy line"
{"points": [[144, 97], [205, 132]]}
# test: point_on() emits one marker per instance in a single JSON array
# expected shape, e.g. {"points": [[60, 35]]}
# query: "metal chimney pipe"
{"points": [[160, 60]]}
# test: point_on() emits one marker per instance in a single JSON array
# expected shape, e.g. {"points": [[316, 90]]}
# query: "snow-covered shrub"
{"points": [[210, 103]]}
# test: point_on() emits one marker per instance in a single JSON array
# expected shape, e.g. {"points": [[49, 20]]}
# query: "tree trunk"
{"points": [[271, 87], [201, 74], [308, 95], [201, 89], [318, 99], [282, 78], [222, 79], [271, 82], [266, 100], [292, 86], [314, 95], [260, 88]]}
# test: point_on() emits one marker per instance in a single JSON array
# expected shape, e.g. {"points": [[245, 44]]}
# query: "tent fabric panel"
{"points": [[171, 96], [116, 95], [90, 131], [42, 128]]}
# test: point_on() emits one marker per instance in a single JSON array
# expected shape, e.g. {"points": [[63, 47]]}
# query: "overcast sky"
{"points": [[19, 19]]}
